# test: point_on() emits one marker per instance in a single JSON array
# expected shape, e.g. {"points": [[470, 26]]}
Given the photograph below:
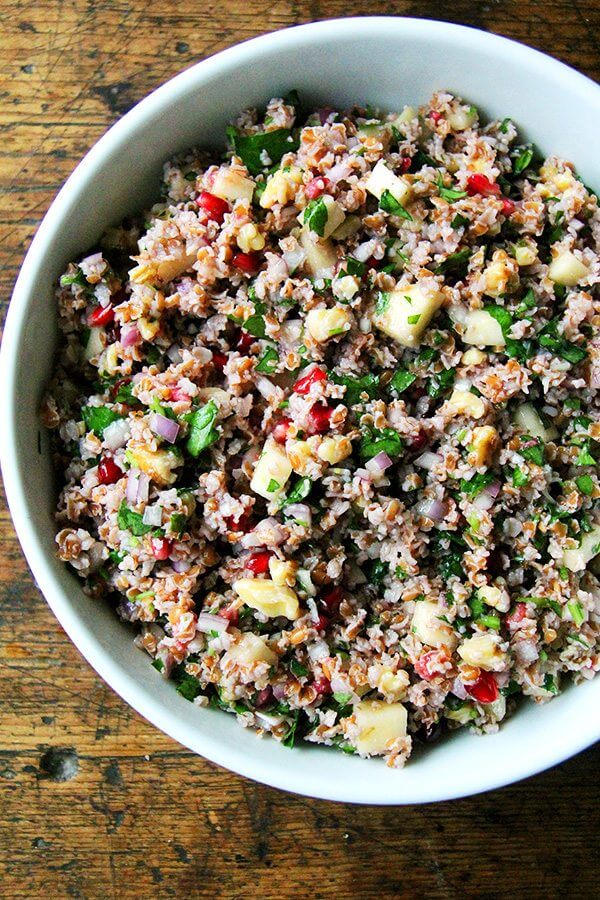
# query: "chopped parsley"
{"points": [[315, 216], [402, 380], [389, 204], [251, 148], [129, 520], [384, 440], [97, 418], [202, 429], [449, 194]]}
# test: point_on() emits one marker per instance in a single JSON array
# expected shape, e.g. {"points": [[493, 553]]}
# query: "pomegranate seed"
{"points": [[485, 689], [318, 418], [258, 563], [101, 316], [108, 471], [243, 524], [516, 616], [372, 263], [160, 547], [304, 384], [244, 341], [405, 164], [246, 262], [322, 623], [508, 206], [480, 184], [231, 613], [264, 697], [322, 685], [214, 207], [332, 597], [219, 360], [280, 430], [418, 441], [435, 115], [177, 394], [316, 187]]}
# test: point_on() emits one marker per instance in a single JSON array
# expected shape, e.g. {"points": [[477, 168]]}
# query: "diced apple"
{"points": [[94, 345], [349, 227], [407, 312], [320, 254], [334, 449], [576, 559], [482, 651], [250, 648], [323, 324], [462, 118], [429, 627], [379, 724], [157, 464], [335, 216], [383, 179], [466, 404], [267, 597], [482, 329], [526, 253], [567, 269], [495, 597], [230, 184], [527, 419], [407, 115], [271, 471]]}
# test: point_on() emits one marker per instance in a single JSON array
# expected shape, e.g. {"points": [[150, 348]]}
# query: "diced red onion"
{"points": [[265, 387], [102, 295], [458, 689], [483, 501], [300, 512], [379, 463], [279, 691], [209, 622], [526, 652], [363, 474], [324, 114], [131, 493], [493, 489], [153, 515], [339, 172], [130, 335], [433, 509], [143, 488], [428, 460], [116, 434], [268, 532], [164, 427], [174, 354], [180, 565]]}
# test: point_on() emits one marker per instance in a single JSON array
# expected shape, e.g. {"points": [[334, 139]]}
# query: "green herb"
{"points": [[577, 612], [476, 484], [519, 477], [523, 160], [299, 492], [503, 127], [202, 431], [188, 686], [268, 361], [402, 380], [584, 457], [255, 325], [534, 454], [412, 320], [389, 204], [378, 571], [456, 264], [489, 621], [97, 418], [383, 301], [459, 221], [177, 523], [557, 231], [528, 302], [128, 520], [516, 349], [421, 159], [366, 384], [543, 603], [385, 440], [116, 556], [251, 148], [290, 738], [585, 484], [125, 394], [550, 685], [449, 194], [440, 382], [353, 267], [76, 277], [451, 566], [558, 345], [315, 216], [341, 698], [298, 669], [273, 486], [158, 664]]}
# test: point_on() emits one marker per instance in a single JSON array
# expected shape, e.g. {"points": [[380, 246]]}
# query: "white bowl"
{"points": [[385, 61]]}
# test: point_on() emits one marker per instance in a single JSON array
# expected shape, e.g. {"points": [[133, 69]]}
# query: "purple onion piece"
{"points": [[379, 463], [163, 427], [209, 622], [129, 335]]}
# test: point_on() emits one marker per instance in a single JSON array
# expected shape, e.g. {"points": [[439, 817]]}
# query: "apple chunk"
{"points": [[405, 313]]}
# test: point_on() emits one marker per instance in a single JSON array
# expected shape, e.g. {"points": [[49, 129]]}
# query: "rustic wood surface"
{"points": [[94, 802]]}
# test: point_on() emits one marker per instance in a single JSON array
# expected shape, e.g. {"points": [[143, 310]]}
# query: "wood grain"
{"points": [[94, 802]]}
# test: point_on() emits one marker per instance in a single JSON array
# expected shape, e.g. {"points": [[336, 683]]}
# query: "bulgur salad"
{"points": [[330, 442]]}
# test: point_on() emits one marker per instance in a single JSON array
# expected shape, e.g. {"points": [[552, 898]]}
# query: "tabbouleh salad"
{"points": [[330, 444]]}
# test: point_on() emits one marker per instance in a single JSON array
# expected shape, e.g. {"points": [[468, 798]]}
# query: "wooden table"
{"points": [[95, 803]]}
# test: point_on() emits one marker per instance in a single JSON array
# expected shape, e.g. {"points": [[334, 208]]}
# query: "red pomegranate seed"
{"points": [[101, 316], [231, 613], [372, 263], [244, 341], [480, 184], [332, 597], [322, 685], [304, 384], [243, 524], [516, 616], [405, 164], [246, 262], [316, 187], [219, 360], [108, 471], [418, 441], [214, 207], [425, 665], [319, 418], [508, 206], [485, 689], [160, 547], [258, 563], [280, 430], [177, 394], [322, 623], [435, 115]]}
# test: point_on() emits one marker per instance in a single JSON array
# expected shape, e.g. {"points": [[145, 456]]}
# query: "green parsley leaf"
{"points": [[255, 325], [412, 320], [440, 382], [476, 484], [299, 492], [268, 361], [290, 737], [459, 221], [577, 612], [558, 345], [76, 277], [298, 669], [503, 127], [273, 485], [456, 264], [523, 160], [534, 454], [129, 520], [97, 418], [402, 380], [315, 216], [385, 440], [177, 523], [356, 386], [389, 204], [585, 484], [449, 194], [519, 477], [383, 301], [251, 148], [585, 458], [202, 431]]}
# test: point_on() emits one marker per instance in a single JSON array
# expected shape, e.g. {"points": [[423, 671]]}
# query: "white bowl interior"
{"points": [[388, 62]]}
